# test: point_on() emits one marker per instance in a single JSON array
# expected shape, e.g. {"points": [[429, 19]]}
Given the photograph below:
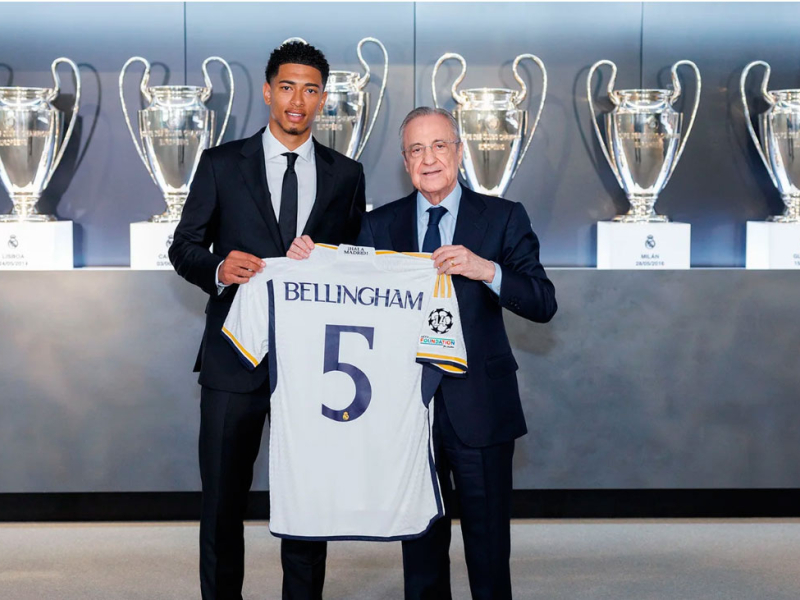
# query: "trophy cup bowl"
{"points": [[31, 146], [174, 129], [342, 124], [779, 127], [492, 130], [644, 140], [492, 127]]}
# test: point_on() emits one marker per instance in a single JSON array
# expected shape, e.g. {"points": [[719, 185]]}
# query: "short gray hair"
{"points": [[427, 111]]}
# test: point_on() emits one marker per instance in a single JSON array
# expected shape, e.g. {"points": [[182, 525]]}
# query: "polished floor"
{"points": [[551, 560]]}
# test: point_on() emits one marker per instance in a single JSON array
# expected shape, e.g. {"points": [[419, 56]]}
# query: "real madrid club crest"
{"points": [[13, 242], [440, 320], [650, 242]]}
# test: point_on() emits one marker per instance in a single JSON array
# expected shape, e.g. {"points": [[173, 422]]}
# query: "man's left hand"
{"points": [[458, 260], [301, 248]]}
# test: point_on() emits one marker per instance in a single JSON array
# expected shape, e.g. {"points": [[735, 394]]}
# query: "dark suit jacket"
{"points": [[484, 407], [229, 208]]}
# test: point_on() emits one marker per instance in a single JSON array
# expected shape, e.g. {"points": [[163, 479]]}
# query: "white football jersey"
{"points": [[346, 332]]}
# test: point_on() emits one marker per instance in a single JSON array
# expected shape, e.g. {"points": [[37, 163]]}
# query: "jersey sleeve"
{"points": [[247, 324], [441, 339]]}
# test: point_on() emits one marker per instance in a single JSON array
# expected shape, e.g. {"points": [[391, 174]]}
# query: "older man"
{"points": [[488, 244]]}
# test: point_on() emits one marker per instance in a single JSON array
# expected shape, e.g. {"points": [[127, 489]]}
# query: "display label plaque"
{"points": [[643, 245], [150, 243], [36, 246], [773, 245]]}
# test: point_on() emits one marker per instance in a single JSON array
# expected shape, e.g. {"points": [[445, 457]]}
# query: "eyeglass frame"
{"points": [[422, 148]]}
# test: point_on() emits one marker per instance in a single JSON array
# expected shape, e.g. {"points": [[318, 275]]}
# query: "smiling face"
{"points": [[433, 174], [294, 96]]}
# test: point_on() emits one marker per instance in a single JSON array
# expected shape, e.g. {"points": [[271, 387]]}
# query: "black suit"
{"points": [[229, 208], [477, 417]]}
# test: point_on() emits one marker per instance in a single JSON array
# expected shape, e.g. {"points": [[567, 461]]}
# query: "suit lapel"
{"points": [[470, 225], [404, 238], [325, 186], [254, 171]]}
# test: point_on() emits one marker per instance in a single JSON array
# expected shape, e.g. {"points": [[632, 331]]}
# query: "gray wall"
{"points": [[643, 380], [683, 379]]}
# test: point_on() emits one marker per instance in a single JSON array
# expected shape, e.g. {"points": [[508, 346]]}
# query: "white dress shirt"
{"points": [[306, 168], [447, 227]]}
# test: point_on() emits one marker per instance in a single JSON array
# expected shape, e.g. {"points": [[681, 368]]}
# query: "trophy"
{"points": [[492, 127], [780, 129], [174, 130], [643, 139], [31, 146], [341, 123]]}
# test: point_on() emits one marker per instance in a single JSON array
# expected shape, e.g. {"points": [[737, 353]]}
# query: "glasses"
{"points": [[418, 150]]}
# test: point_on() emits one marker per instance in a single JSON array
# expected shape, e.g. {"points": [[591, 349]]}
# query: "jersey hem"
{"points": [[358, 538]]}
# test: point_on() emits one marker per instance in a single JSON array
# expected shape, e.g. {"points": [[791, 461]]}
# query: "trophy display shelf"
{"points": [[643, 245], [150, 242], [773, 245], [32, 246]]}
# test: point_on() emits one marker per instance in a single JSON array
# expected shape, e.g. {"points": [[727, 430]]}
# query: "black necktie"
{"points": [[432, 237], [287, 221]]}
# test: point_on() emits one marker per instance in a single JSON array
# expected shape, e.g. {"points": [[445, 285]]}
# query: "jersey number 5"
{"points": [[331, 363]]}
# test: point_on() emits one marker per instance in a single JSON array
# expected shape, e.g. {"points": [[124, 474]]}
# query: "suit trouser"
{"points": [[230, 436], [483, 485]]}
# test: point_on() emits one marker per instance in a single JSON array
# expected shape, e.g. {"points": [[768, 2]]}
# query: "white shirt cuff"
{"points": [[221, 286], [498, 279]]}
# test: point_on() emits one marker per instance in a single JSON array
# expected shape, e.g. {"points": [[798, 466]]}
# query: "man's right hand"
{"points": [[239, 267]]}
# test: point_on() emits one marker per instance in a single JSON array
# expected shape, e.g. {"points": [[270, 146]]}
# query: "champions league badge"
{"points": [[440, 320]]}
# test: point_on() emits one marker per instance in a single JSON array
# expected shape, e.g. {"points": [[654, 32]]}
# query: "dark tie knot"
{"points": [[291, 158], [435, 214]]}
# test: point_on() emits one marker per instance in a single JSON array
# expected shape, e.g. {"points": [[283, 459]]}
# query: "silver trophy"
{"points": [[780, 133], [174, 130], [341, 124], [643, 140], [31, 146], [492, 127]]}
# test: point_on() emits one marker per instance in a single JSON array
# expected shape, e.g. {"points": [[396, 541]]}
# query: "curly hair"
{"points": [[297, 53]]}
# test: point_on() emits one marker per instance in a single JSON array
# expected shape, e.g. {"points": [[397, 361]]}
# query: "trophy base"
{"points": [[784, 219], [643, 245], [36, 218], [24, 211], [32, 246], [773, 245], [631, 218], [174, 209], [642, 211], [791, 214]]}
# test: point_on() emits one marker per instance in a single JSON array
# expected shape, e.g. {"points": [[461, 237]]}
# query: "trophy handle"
{"points": [[770, 100], [520, 96], [612, 95], [207, 94], [363, 82], [143, 88], [457, 96], [675, 95], [62, 145]]}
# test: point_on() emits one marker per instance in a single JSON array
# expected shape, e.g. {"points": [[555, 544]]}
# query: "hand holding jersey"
{"points": [[346, 333]]}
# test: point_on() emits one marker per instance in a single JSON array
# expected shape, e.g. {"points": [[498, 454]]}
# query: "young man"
{"points": [[249, 199]]}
